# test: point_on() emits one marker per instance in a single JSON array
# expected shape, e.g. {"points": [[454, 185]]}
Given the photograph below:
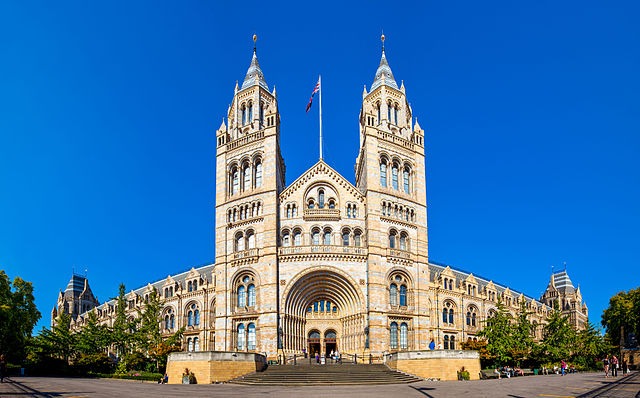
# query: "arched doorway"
{"points": [[328, 302], [314, 343], [330, 342]]}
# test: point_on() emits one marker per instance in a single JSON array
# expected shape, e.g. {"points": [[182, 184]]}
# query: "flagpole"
{"points": [[320, 113]]}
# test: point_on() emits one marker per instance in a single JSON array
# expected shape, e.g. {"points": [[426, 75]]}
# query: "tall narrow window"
{"points": [[383, 174], [316, 238], [327, 238], [258, 174], [403, 296], [241, 337], [403, 242], [445, 313], [246, 178], [296, 238], [196, 317], [389, 113], [166, 322], [378, 109], [473, 319], [394, 176], [172, 321], [393, 294], [239, 243], [468, 318], [189, 344], [393, 336], [244, 115], [405, 179], [451, 316], [285, 239], [250, 119], [446, 342], [195, 285], [392, 240], [251, 341], [251, 292], [235, 181], [395, 115], [261, 113], [403, 336], [196, 344], [348, 211], [452, 343], [320, 199], [190, 318], [356, 239], [241, 296], [345, 239], [251, 240]]}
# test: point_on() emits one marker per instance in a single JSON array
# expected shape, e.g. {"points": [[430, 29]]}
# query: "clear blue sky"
{"points": [[108, 112]]}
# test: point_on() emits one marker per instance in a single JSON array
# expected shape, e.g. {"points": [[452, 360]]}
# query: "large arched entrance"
{"points": [[322, 312]]}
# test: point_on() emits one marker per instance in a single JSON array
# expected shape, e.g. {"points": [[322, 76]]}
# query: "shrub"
{"points": [[135, 361], [98, 363]]}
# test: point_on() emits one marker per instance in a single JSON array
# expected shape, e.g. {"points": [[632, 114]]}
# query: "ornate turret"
{"points": [[384, 76], [561, 293], [76, 299]]}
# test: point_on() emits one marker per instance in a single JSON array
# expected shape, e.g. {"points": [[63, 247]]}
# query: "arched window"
{"points": [[196, 317], [403, 296], [315, 237], [241, 337], [445, 313], [190, 318], [239, 242], [250, 119], [446, 342], [356, 238], [403, 241], [235, 177], [378, 109], [189, 287], [285, 239], [473, 319], [251, 341], [244, 115], [345, 238], [394, 176], [451, 316], [246, 178], [348, 211], [172, 321], [327, 238], [241, 296], [261, 113], [189, 344], [196, 344], [452, 343], [405, 179], [332, 204], [392, 240], [389, 106], [310, 204], [383, 174], [251, 292], [395, 115], [393, 336], [166, 322], [403, 336], [258, 168], [297, 238], [468, 318], [393, 294], [251, 240], [320, 199]]}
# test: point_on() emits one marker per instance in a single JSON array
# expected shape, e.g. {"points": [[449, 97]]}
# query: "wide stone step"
{"points": [[326, 374]]}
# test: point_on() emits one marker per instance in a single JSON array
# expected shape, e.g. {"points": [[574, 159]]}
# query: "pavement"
{"points": [[580, 385]]}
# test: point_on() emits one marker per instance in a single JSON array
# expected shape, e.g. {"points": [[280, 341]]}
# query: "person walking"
{"points": [[625, 367], [432, 345], [3, 368], [563, 366], [614, 366], [605, 366]]}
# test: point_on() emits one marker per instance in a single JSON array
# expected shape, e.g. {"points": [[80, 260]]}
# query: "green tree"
{"points": [[623, 312], [120, 335], [497, 332], [558, 337], [18, 316], [590, 346], [93, 338], [58, 341], [522, 335]]}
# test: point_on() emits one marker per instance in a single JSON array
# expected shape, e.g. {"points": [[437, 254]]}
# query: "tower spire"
{"points": [[384, 76], [254, 73]]}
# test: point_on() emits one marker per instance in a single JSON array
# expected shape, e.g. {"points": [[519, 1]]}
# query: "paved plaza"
{"points": [[575, 385]]}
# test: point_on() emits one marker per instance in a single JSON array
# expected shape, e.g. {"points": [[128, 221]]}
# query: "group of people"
{"points": [[611, 363], [508, 371]]}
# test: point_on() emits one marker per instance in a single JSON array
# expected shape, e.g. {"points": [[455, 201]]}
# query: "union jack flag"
{"points": [[315, 90]]}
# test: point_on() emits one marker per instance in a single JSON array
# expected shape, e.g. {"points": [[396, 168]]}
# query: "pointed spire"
{"points": [[384, 76], [222, 126], [254, 73], [364, 91]]}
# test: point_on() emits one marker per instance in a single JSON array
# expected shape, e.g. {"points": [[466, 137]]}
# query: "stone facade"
{"points": [[323, 264]]}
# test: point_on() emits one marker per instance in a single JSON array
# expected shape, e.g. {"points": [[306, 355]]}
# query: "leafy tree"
{"points": [[497, 332], [623, 312], [18, 316], [58, 341], [590, 346], [93, 338], [559, 337], [120, 335], [522, 334]]}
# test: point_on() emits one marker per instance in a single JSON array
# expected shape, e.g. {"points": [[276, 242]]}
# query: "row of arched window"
{"points": [[246, 112], [449, 342], [352, 210], [245, 177], [392, 112], [192, 286], [193, 315], [324, 236], [448, 283], [244, 211], [246, 336], [403, 342], [169, 320], [397, 172], [193, 344], [398, 240], [244, 240], [471, 317], [398, 211], [322, 202], [323, 306], [471, 290], [447, 313], [398, 291], [291, 210], [168, 291]]}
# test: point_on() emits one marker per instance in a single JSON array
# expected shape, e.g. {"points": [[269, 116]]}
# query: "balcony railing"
{"points": [[400, 254], [245, 140], [321, 214], [245, 254], [334, 249]]}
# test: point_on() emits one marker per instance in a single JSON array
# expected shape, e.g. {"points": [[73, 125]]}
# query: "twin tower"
{"points": [[321, 264]]}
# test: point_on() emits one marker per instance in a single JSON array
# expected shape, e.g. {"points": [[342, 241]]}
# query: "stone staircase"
{"points": [[295, 375]]}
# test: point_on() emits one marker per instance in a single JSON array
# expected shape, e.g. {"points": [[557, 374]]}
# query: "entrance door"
{"points": [[314, 343], [330, 344]]}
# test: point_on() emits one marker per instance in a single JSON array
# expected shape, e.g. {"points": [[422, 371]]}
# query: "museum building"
{"points": [[322, 264]]}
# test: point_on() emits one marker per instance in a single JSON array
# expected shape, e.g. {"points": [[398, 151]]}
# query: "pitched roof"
{"points": [[254, 75], [562, 282], [384, 76]]}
